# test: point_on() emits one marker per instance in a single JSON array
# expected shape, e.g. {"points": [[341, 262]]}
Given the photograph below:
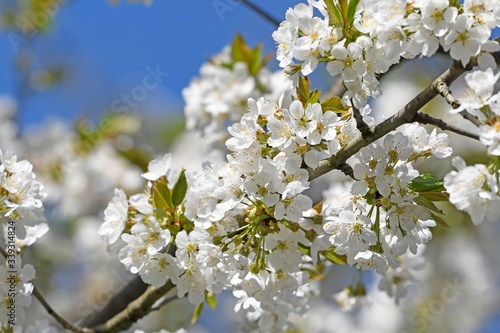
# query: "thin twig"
{"points": [[63, 322], [133, 290], [261, 12], [426, 119], [444, 91], [119, 301], [346, 169], [135, 310], [405, 115], [164, 301], [360, 123]]}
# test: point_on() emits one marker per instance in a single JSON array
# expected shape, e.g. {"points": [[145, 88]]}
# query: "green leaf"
{"points": [[435, 196], [313, 275], [303, 89], [439, 221], [211, 300], [351, 11], [314, 96], [197, 312], [343, 9], [331, 255], [335, 15], [161, 194], [319, 207], [256, 60], [160, 213], [180, 188], [427, 182], [240, 50], [427, 204], [334, 104], [304, 249]]}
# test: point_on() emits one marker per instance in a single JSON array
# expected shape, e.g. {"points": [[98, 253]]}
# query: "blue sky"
{"points": [[106, 50]]}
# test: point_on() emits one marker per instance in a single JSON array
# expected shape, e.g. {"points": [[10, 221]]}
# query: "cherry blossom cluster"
{"points": [[216, 246], [220, 93], [379, 34], [241, 224], [384, 215], [248, 225], [475, 189], [22, 223]]}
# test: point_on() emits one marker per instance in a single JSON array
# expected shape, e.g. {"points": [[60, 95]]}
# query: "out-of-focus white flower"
{"points": [[474, 190]]}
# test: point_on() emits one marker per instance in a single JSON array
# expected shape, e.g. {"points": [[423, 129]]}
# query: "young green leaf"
{"points": [[256, 60], [343, 4], [427, 182], [180, 188], [304, 249], [161, 194], [331, 255], [439, 221], [197, 312], [435, 196], [334, 104], [427, 204], [335, 15], [314, 96], [240, 50], [211, 300], [303, 89], [351, 11]]}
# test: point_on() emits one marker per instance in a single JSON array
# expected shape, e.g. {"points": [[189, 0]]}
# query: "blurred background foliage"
{"points": [[64, 62]]}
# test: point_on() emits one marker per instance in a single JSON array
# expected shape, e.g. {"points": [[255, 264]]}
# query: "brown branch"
{"points": [[163, 302], [426, 119], [261, 12], [118, 302], [63, 322], [347, 170], [444, 91], [405, 115], [360, 123], [135, 310]]}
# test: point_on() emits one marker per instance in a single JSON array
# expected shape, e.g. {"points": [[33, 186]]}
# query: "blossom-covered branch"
{"points": [[406, 115], [424, 118], [135, 310]]}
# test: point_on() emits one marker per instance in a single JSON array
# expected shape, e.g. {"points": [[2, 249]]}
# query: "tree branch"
{"points": [[163, 302], [347, 170], [405, 115], [63, 322], [444, 91], [261, 12], [426, 119], [135, 310], [118, 302], [360, 123]]}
